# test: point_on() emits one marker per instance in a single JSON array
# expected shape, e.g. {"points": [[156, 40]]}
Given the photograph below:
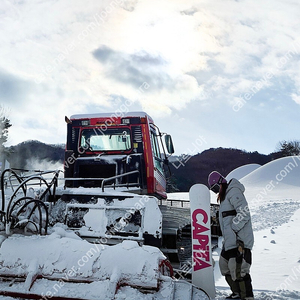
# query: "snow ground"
{"points": [[273, 193]]}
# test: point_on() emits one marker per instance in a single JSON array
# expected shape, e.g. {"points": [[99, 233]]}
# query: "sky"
{"points": [[212, 73]]}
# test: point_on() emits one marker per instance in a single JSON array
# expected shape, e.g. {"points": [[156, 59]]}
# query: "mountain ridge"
{"points": [[186, 169]]}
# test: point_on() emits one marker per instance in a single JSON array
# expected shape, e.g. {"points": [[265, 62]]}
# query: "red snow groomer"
{"points": [[126, 150], [118, 155], [114, 196]]}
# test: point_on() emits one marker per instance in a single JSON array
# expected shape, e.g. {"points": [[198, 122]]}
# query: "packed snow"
{"points": [[273, 193]]}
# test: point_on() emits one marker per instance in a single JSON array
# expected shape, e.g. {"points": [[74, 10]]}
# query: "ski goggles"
{"points": [[215, 188]]}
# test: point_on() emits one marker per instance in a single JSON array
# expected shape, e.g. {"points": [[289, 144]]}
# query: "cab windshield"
{"points": [[109, 140]]}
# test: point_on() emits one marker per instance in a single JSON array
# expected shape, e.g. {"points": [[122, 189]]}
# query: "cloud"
{"points": [[248, 41], [190, 11], [134, 69], [129, 5], [33, 108], [296, 98], [13, 89], [165, 91]]}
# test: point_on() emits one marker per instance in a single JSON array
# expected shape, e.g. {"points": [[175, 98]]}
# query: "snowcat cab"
{"points": [[123, 151]]}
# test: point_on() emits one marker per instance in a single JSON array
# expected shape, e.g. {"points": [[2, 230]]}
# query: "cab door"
{"points": [[159, 176]]}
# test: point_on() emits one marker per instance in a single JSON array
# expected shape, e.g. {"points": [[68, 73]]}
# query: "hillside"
{"points": [[31, 153], [186, 170]]}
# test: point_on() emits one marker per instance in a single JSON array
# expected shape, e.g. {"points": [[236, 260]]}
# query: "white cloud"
{"points": [[296, 98]]}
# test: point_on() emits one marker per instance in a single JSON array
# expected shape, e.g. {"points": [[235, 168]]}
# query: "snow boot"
{"points": [[235, 296], [245, 288]]}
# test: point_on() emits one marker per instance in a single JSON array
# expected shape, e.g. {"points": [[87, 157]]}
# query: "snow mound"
{"points": [[276, 180], [284, 170], [242, 171]]}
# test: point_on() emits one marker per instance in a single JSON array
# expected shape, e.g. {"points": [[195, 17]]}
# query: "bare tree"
{"points": [[4, 126], [289, 148]]}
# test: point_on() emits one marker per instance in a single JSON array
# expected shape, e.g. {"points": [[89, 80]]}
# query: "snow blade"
{"points": [[202, 272], [62, 266], [67, 267]]}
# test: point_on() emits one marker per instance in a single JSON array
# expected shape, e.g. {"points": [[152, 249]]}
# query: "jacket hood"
{"points": [[234, 183]]}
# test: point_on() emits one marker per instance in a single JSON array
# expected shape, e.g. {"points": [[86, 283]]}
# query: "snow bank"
{"points": [[284, 170], [277, 179]]}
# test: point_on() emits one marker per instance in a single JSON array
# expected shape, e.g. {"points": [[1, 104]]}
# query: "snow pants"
{"points": [[236, 272]]}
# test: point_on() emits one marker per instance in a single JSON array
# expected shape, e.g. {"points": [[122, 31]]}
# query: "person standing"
{"points": [[235, 222]]}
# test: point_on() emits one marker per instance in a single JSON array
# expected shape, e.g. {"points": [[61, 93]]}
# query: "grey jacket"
{"points": [[238, 226]]}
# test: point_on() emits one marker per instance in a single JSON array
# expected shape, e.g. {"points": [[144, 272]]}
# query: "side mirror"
{"points": [[169, 144]]}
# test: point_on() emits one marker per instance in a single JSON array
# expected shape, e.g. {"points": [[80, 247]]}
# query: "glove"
{"points": [[240, 251]]}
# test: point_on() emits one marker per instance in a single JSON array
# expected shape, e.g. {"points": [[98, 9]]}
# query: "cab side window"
{"points": [[156, 151]]}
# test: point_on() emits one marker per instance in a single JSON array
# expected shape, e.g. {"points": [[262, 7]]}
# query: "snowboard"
{"points": [[203, 271]]}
